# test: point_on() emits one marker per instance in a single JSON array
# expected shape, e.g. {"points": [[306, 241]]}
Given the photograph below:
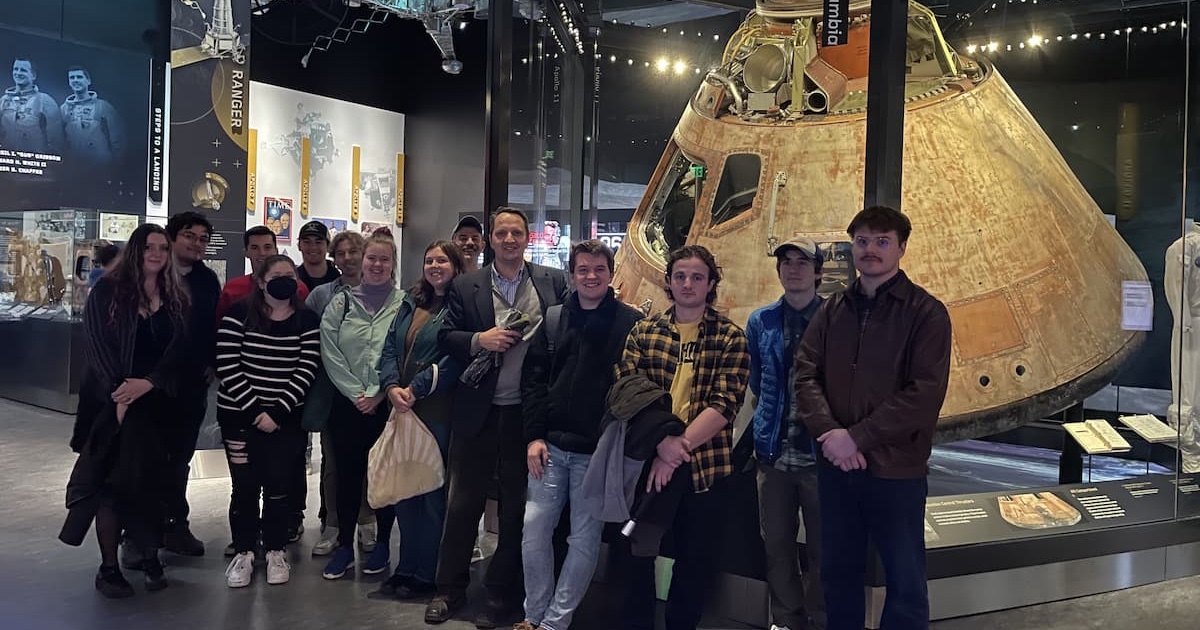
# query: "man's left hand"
{"points": [[837, 445], [673, 450]]}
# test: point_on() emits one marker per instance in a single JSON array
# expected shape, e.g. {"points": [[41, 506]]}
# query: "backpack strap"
{"points": [[553, 327]]}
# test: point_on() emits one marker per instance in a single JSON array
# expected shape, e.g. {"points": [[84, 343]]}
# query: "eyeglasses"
{"points": [[192, 237]]}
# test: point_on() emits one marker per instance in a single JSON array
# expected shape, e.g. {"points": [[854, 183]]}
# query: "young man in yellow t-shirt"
{"points": [[701, 358]]}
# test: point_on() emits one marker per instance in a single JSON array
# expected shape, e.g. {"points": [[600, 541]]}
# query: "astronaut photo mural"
{"points": [[772, 145]]}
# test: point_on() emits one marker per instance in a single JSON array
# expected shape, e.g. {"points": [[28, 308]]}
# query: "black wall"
{"points": [[395, 66], [125, 24]]}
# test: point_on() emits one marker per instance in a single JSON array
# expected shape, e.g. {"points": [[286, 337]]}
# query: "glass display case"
{"points": [[46, 258]]}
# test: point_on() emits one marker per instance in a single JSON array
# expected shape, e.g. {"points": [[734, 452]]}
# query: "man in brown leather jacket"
{"points": [[870, 381]]}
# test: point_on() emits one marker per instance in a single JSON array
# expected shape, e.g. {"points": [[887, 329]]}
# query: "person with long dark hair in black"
{"points": [[268, 353], [134, 318]]}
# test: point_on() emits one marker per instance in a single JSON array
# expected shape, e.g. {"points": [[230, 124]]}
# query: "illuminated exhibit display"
{"points": [[772, 145]]}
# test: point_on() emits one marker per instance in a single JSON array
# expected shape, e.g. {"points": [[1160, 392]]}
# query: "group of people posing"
{"points": [[587, 403]]}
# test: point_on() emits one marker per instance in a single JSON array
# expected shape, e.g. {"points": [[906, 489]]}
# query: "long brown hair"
{"points": [[257, 309], [129, 277], [423, 293]]}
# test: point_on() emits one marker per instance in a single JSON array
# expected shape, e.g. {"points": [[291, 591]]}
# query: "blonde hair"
{"points": [[384, 238]]}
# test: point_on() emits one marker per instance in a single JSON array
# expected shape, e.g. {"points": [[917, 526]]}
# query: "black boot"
{"points": [[112, 584], [153, 570], [179, 539]]}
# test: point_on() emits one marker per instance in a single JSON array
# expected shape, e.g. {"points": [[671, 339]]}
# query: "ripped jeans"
{"points": [[262, 466]]}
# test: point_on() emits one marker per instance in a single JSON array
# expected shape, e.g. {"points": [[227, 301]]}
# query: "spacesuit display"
{"points": [[92, 128], [29, 119], [1182, 286]]}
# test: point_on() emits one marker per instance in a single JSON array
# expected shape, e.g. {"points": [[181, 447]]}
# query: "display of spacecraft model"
{"points": [[772, 145], [437, 16], [222, 39]]}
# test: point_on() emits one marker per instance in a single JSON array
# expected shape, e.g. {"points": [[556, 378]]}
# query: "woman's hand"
{"points": [[265, 424], [402, 398], [131, 390], [366, 405]]}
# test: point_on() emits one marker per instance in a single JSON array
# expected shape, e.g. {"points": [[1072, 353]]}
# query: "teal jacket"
{"points": [[352, 341], [416, 370]]}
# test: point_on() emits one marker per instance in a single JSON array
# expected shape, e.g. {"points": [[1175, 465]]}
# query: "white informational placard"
{"points": [[1137, 305]]}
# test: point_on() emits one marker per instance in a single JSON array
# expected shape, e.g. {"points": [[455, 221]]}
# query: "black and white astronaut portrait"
{"points": [[29, 118], [92, 127]]}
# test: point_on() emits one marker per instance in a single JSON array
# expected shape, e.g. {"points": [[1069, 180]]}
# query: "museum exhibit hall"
{"points": [[241, 240]]}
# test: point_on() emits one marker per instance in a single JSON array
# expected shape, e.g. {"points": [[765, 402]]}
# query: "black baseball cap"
{"points": [[315, 228], [468, 221]]}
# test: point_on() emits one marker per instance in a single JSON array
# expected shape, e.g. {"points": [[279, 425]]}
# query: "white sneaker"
{"points": [[241, 570], [366, 537], [327, 543], [278, 569], [775, 627]]}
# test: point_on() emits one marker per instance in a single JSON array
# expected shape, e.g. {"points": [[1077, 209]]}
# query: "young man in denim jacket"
{"points": [[787, 473]]}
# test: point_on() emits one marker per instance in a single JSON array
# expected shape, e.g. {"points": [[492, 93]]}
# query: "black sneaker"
{"points": [[393, 584], [230, 550], [179, 539], [416, 589], [153, 570], [112, 584], [294, 533], [498, 615]]}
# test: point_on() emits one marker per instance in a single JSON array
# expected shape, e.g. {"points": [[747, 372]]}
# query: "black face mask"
{"points": [[282, 288]]}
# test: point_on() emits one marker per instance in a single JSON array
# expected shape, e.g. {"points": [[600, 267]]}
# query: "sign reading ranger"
{"points": [[837, 23]]}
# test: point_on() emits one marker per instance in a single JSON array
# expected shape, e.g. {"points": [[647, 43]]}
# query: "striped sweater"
{"points": [[267, 371]]}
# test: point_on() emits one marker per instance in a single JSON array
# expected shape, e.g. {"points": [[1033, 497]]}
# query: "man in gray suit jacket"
{"points": [[487, 423]]}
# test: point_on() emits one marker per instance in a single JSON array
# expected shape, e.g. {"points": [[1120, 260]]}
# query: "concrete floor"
{"points": [[45, 585]]}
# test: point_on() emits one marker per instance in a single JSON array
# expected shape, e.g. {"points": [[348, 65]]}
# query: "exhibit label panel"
{"points": [[318, 158], [210, 103], [994, 516]]}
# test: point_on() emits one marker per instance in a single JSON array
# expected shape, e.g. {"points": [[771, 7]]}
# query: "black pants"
{"points": [[693, 541], [353, 435], [180, 438], [857, 508], [499, 448], [261, 466]]}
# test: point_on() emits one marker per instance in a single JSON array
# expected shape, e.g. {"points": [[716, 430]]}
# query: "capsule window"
{"points": [[738, 187], [673, 207]]}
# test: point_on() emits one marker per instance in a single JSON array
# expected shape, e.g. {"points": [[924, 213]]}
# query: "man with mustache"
{"points": [[871, 376], [468, 235]]}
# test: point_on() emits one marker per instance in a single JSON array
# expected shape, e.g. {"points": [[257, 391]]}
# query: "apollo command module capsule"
{"points": [[772, 145]]}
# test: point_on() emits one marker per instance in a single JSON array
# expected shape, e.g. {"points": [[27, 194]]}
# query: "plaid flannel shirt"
{"points": [[722, 372]]}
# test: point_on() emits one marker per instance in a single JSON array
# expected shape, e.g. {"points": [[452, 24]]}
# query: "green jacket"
{"points": [[352, 340]]}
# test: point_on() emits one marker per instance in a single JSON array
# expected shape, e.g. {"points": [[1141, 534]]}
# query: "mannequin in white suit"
{"points": [[1182, 285]]}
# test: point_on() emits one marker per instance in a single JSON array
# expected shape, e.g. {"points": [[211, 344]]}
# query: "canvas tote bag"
{"points": [[404, 462]]}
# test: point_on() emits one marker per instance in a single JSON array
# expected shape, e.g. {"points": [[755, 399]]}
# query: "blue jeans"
{"points": [[855, 507], [547, 605], [421, 519]]}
